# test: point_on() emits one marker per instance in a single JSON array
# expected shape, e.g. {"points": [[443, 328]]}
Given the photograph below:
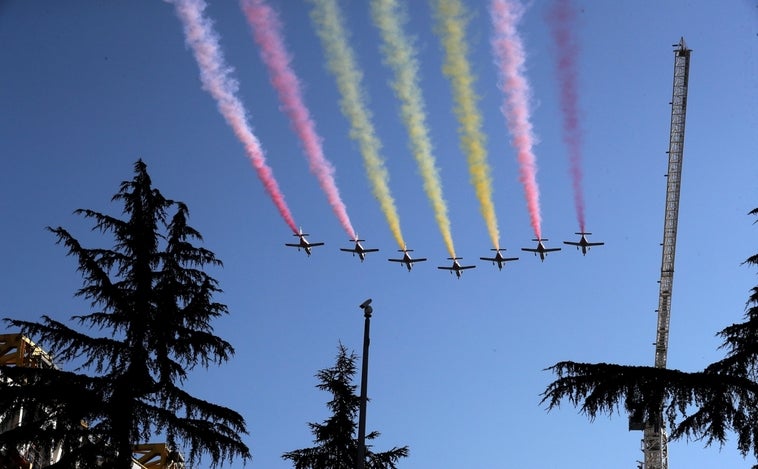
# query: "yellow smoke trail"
{"points": [[400, 55], [327, 19], [450, 27]]}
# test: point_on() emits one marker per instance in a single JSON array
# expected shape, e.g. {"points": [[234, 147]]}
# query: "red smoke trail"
{"points": [[214, 74], [561, 18], [267, 33], [510, 57]]}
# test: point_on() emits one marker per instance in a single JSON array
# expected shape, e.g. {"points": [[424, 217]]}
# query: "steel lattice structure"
{"points": [[654, 441], [19, 350]]}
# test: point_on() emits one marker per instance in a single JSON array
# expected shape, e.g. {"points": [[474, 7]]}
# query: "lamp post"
{"points": [[367, 310]]}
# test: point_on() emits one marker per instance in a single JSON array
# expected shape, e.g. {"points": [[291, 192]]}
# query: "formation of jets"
{"points": [[358, 249], [456, 267], [583, 243]]}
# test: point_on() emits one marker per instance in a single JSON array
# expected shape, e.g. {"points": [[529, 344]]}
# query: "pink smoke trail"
{"points": [[216, 79], [266, 27], [561, 18], [510, 57]]}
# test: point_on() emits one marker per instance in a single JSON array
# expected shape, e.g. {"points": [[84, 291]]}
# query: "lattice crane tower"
{"points": [[654, 441]]}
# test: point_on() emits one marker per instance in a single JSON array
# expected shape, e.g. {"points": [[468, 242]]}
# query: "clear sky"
{"points": [[456, 365]]}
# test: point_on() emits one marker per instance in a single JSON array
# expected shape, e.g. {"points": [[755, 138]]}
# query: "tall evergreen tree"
{"points": [[706, 405], [154, 303], [336, 444]]}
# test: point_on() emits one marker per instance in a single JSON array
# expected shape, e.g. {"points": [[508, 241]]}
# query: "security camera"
{"points": [[365, 304]]}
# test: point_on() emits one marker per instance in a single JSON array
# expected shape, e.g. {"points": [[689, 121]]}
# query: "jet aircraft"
{"points": [[541, 249], [583, 243], [407, 260], [456, 267], [358, 249], [303, 243], [499, 258]]}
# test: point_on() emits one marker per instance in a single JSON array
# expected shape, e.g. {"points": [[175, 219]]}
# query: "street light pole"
{"points": [[367, 310]]}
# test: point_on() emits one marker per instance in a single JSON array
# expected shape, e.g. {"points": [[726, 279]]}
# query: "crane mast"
{"points": [[654, 441]]}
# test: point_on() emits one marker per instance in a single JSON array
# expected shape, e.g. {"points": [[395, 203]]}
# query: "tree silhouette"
{"points": [[705, 405], [336, 447], [153, 304]]}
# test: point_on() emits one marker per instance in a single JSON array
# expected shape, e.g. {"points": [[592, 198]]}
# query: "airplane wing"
{"points": [[446, 268], [292, 245], [370, 250], [595, 244], [488, 259], [316, 244], [396, 260], [573, 243], [552, 249], [348, 250], [418, 260], [467, 267], [530, 249]]}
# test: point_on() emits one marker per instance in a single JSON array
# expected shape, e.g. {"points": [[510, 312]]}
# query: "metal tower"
{"points": [[654, 440]]}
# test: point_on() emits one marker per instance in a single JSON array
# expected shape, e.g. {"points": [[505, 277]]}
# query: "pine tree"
{"points": [[706, 405], [154, 304], [336, 446]]}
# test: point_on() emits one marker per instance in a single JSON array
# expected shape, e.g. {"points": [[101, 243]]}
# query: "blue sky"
{"points": [[456, 365]]}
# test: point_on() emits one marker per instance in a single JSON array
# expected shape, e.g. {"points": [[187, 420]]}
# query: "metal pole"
{"points": [[367, 310]]}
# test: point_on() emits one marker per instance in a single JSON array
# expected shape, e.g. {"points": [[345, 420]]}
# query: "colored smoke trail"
{"points": [[451, 25], [510, 57], [216, 79], [561, 19], [400, 55], [328, 21], [267, 33]]}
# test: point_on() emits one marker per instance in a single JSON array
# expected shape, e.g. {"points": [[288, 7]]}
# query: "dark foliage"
{"points": [[706, 405], [336, 446], [153, 305], [55, 404]]}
